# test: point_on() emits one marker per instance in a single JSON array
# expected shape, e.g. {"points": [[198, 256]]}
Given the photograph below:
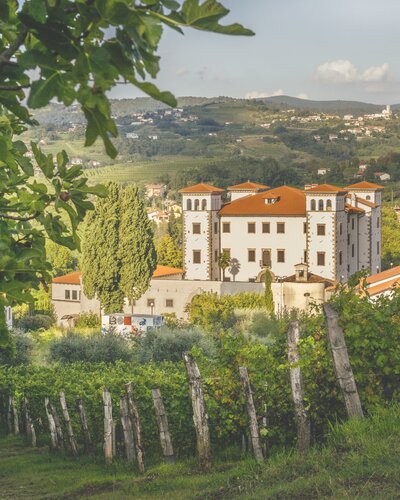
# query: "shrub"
{"points": [[93, 349], [169, 345], [88, 320], [19, 353], [36, 322]]}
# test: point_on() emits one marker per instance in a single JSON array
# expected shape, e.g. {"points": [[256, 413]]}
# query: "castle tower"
{"points": [[200, 206], [327, 252]]}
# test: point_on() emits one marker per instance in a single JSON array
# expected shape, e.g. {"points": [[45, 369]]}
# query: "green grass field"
{"points": [[361, 459]]}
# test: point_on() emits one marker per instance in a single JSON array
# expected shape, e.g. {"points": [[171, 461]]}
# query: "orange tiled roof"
{"points": [[382, 287], [364, 185], [201, 188], [248, 186], [366, 202], [356, 210], [325, 188], [384, 275], [162, 271], [291, 202], [69, 279]]}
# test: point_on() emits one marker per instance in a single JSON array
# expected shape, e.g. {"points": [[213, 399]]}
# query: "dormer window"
{"points": [[271, 200]]}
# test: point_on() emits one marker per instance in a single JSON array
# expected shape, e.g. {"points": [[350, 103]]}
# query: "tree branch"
{"points": [[13, 87], [18, 218], [7, 54]]}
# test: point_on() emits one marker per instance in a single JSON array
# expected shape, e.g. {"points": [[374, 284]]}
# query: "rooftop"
{"points": [[201, 188], [384, 275], [69, 279], [248, 186], [325, 188], [288, 201], [365, 185]]}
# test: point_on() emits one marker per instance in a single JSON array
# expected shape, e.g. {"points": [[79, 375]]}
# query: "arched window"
{"points": [[329, 205], [189, 204], [203, 204], [368, 197], [196, 204], [321, 205], [313, 206]]}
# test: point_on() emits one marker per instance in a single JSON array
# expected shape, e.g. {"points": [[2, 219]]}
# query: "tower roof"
{"points": [[365, 185], [288, 201], [201, 188], [325, 188], [248, 186]]}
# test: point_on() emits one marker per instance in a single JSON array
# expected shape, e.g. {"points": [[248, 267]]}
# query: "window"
{"points": [[266, 227], [340, 258], [189, 204], [321, 229], [320, 258], [67, 295], [352, 250], [341, 228], [216, 227], [74, 294], [348, 239], [368, 197], [196, 204], [266, 257], [226, 227], [251, 254], [305, 256], [313, 205], [227, 251], [304, 227], [251, 227], [281, 256], [196, 256], [329, 204], [377, 222], [321, 205], [280, 227], [352, 223], [196, 227], [204, 204], [377, 247], [151, 302], [169, 303]]}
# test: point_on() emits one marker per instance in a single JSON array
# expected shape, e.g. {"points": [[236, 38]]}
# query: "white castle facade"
{"points": [[334, 231]]}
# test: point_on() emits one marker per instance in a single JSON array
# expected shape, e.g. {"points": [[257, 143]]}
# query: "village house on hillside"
{"points": [[308, 239]]}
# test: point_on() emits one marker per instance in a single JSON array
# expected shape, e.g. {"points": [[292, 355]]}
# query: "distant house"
{"points": [[323, 171], [158, 216], [317, 138], [153, 137], [333, 137], [383, 283], [382, 176], [155, 190], [363, 167], [131, 135]]}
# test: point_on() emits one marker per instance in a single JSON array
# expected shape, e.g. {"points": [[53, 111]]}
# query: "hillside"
{"points": [[360, 460]]}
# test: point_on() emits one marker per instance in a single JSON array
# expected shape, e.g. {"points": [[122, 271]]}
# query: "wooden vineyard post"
{"points": [[108, 427], [253, 425], [68, 425], [163, 428], [127, 430], [137, 431], [296, 381], [52, 425], [29, 427], [343, 370], [200, 417], [60, 434], [88, 444]]}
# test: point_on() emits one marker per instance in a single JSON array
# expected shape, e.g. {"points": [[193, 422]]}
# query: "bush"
{"points": [[88, 320], [36, 322], [96, 348], [169, 345], [19, 354]]}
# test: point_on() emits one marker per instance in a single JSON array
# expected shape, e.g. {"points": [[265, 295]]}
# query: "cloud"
{"points": [[182, 72], [302, 95], [344, 71], [255, 94]]}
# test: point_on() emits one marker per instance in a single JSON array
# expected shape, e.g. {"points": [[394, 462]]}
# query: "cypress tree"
{"points": [[100, 266], [136, 251], [269, 298], [168, 252]]}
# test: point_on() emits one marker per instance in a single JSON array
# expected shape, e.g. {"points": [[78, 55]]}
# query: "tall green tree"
{"points": [[168, 252], [118, 254], [136, 252], [268, 295], [61, 259], [175, 227]]}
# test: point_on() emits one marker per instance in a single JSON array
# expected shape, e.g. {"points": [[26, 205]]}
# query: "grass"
{"points": [[360, 460]]}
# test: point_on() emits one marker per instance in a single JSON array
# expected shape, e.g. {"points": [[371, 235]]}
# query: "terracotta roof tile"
{"points": [[69, 279], [248, 186], [162, 271], [383, 287], [356, 210], [290, 202], [364, 185], [367, 203], [384, 275], [201, 188], [325, 188]]}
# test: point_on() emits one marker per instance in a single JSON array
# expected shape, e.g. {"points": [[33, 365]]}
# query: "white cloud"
{"points": [[344, 71], [302, 95], [255, 94]]}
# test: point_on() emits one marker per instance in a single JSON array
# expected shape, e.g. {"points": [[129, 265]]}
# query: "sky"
{"points": [[314, 49]]}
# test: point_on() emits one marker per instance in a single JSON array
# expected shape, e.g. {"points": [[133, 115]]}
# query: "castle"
{"points": [[334, 231]]}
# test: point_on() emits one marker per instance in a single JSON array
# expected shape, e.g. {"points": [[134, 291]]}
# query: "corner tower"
{"points": [[200, 206]]}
